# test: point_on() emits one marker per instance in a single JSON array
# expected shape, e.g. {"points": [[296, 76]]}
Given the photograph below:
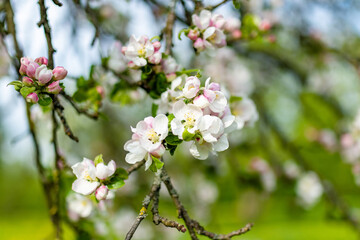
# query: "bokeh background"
{"points": [[303, 77]]}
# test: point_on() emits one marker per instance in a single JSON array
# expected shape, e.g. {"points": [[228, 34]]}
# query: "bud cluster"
{"points": [[208, 30], [39, 79]]}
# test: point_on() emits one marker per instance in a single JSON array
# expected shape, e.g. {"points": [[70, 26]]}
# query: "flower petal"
{"points": [[84, 187]]}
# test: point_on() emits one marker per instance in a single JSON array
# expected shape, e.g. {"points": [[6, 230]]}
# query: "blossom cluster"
{"points": [[208, 30], [93, 177], [141, 51], [195, 114], [38, 78]]}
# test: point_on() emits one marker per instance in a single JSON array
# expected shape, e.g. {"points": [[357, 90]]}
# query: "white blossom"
{"points": [[309, 189]]}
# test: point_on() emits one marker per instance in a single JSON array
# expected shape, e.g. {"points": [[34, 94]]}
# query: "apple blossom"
{"points": [[101, 193], [193, 34], [199, 45], [78, 206], [27, 81], [156, 45], [43, 75], [155, 58], [147, 140], [54, 88], [214, 37], [59, 73], [191, 88], [138, 50], [117, 61], [89, 176], [309, 189], [217, 99], [186, 118], [32, 98], [42, 61], [245, 112]]}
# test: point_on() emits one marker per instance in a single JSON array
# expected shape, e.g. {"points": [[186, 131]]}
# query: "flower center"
{"points": [[189, 120], [87, 176], [153, 136], [141, 51]]}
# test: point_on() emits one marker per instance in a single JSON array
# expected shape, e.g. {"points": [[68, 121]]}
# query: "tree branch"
{"points": [[169, 27], [135, 166], [182, 213], [200, 230], [79, 110], [146, 202], [47, 30], [210, 8], [59, 110], [157, 219]]}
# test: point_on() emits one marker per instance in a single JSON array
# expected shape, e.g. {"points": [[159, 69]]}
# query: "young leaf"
{"points": [[15, 83], [44, 101], [26, 91], [121, 173], [98, 159], [173, 139], [235, 99], [159, 164], [115, 183], [188, 136]]}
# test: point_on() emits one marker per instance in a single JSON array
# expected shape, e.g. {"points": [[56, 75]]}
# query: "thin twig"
{"points": [[79, 110], [47, 30], [157, 219], [210, 8], [182, 213], [200, 230], [59, 110], [135, 167], [56, 2], [146, 202]]}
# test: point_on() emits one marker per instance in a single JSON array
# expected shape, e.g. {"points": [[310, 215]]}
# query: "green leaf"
{"points": [[156, 164], [173, 139], [235, 99], [98, 159], [81, 82], [172, 149], [161, 83], [115, 183], [26, 91], [44, 100], [155, 37], [237, 4], [16, 83], [171, 116], [80, 95], [121, 173], [188, 136], [154, 108]]}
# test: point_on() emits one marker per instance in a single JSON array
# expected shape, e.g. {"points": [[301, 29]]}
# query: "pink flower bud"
{"points": [[214, 86], [170, 76], [265, 25], [101, 91], [59, 73], [156, 45], [101, 193], [27, 81], [271, 38], [31, 69], [193, 34], [131, 64], [24, 63], [199, 44], [155, 58], [43, 75], [123, 50], [32, 98], [236, 34], [54, 88], [42, 61]]}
